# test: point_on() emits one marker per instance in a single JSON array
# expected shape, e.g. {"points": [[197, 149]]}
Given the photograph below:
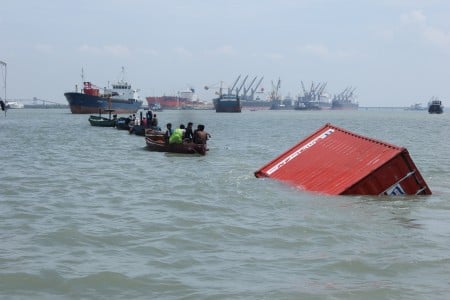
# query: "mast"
{"points": [[4, 64], [3, 102]]}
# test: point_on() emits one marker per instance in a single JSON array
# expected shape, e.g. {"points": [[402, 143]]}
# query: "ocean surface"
{"points": [[89, 213]]}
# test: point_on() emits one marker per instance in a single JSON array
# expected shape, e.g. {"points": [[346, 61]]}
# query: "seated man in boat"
{"points": [[200, 135], [154, 122], [177, 135], [168, 132], [149, 116], [188, 133]]}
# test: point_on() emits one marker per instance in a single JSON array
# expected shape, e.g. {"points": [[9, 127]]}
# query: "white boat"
{"points": [[14, 105]]}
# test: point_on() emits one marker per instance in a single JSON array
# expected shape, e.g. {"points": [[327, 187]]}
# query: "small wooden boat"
{"points": [[156, 142], [123, 123], [142, 130], [102, 121]]}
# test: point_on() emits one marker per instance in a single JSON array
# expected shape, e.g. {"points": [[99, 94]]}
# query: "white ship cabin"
{"points": [[123, 90], [121, 86]]}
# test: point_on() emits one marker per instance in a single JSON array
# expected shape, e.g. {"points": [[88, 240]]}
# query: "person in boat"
{"points": [[154, 122], [200, 135], [177, 135], [149, 119], [168, 132], [189, 134]]}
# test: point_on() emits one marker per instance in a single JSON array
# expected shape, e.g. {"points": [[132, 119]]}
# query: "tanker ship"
{"points": [[121, 98]]}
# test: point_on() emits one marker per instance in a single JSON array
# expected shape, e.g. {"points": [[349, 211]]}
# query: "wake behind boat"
{"points": [[121, 98]]}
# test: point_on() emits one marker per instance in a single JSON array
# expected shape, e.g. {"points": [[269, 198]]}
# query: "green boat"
{"points": [[100, 121]]}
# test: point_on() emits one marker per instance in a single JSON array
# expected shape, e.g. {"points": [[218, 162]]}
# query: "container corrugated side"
{"points": [[335, 161]]}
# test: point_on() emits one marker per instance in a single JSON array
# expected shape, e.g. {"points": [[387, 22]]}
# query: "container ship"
{"points": [[121, 98]]}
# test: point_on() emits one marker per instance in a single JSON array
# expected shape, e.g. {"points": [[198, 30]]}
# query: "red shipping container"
{"points": [[335, 161]]}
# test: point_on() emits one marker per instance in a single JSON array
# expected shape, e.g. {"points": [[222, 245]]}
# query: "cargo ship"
{"points": [[276, 101], [435, 106], [345, 100], [255, 104], [91, 99], [250, 97], [229, 103], [314, 99]]}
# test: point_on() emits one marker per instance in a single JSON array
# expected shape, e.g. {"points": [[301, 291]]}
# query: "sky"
{"points": [[395, 53]]}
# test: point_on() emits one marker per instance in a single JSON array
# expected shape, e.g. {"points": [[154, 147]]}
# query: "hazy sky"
{"points": [[395, 52]]}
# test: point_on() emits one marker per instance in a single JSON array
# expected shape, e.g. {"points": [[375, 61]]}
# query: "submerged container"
{"points": [[335, 161]]}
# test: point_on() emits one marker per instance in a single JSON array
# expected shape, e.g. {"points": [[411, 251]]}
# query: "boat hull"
{"points": [[80, 103], [156, 143], [227, 106], [340, 105], [435, 109], [313, 105], [101, 122], [169, 102]]}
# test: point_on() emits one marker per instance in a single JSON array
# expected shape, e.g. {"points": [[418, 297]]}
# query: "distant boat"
{"points": [[249, 97], [416, 106], [155, 107], [314, 99], [227, 103], [255, 104], [186, 99], [344, 105], [121, 98], [276, 102], [435, 106], [345, 100], [14, 105]]}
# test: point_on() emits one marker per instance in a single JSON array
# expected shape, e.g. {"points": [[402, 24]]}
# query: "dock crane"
{"points": [[246, 89], [253, 91], [303, 88], [230, 90], [242, 84], [275, 88]]}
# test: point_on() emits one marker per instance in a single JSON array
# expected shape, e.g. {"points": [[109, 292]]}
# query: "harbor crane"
{"points": [[275, 89], [253, 91], [230, 90], [246, 89], [239, 89]]}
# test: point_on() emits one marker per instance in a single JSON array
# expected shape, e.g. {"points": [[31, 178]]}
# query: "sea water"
{"points": [[89, 213]]}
